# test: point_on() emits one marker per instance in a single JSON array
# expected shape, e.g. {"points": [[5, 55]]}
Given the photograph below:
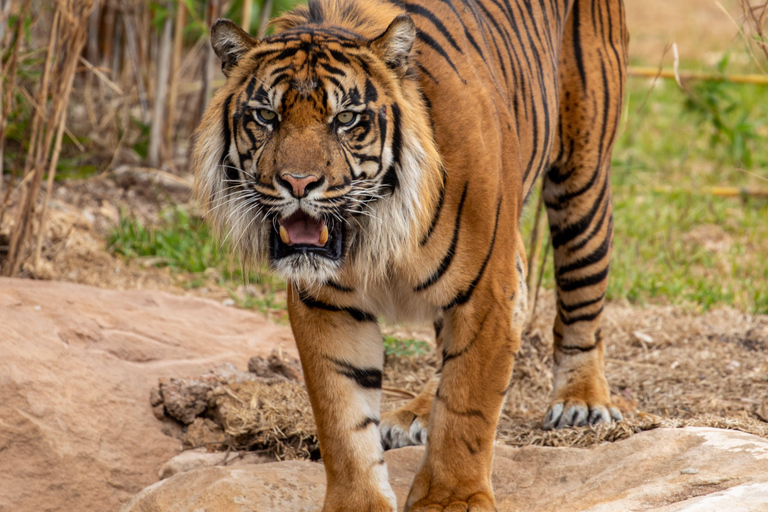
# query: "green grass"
{"points": [[186, 244], [673, 242], [397, 347]]}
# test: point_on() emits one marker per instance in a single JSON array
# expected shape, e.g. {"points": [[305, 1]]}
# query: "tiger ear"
{"points": [[395, 44], [230, 42]]}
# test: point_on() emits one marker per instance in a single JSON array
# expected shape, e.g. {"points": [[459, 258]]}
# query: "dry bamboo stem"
{"points": [[161, 91], [212, 12], [52, 168], [131, 36], [247, 15], [266, 14], [72, 43], [42, 98], [173, 86], [647, 72], [716, 191]]}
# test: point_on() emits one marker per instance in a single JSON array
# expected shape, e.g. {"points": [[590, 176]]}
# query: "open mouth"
{"points": [[302, 234]]}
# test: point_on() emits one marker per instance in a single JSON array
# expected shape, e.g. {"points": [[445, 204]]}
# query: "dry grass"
{"points": [[273, 418]]}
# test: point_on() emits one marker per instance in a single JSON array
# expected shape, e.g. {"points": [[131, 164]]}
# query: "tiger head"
{"points": [[317, 154]]}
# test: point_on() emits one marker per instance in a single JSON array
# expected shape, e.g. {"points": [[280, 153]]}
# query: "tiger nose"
{"points": [[298, 185]]}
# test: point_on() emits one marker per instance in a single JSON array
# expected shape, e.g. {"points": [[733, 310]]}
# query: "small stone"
{"points": [[159, 411], [228, 303], [689, 471], [155, 398]]}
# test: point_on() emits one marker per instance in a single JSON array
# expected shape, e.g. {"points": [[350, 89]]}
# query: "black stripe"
{"points": [[368, 378], [577, 246], [562, 236], [470, 448], [570, 308], [448, 258], [427, 39], [418, 9], [583, 318], [367, 421], [463, 297], [447, 356], [232, 174], [359, 315], [339, 287], [596, 256], [577, 45], [436, 216], [580, 349], [569, 285]]}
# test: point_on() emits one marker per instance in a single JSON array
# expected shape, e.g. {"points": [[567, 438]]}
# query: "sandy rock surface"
{"points": [[77, 432], [669, 470]]}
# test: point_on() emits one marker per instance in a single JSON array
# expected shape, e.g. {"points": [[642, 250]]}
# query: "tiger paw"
{"points": [[578, 413], [403, 427], [479, 502]]}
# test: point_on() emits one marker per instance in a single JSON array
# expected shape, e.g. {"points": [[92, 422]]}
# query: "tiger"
{"points": [[378, 154]]}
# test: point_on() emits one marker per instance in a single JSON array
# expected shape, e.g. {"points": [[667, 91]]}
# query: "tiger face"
{"points": [[306, 166]]}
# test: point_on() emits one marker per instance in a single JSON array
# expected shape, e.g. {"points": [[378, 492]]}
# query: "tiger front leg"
{"points": [[480, 340], [342, 357]]}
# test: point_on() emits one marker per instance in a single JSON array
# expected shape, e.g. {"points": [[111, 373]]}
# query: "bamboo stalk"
{"points": [[266, 14], [211, 14], [39, 114], [71, 43], [131, 38], [648, 72], [52, 166], [247, 15], [173, 86], [716, 191], [161, 88]]}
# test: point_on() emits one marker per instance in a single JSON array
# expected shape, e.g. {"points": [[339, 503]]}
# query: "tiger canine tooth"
{"points": [[324, 235], [284, 236]]}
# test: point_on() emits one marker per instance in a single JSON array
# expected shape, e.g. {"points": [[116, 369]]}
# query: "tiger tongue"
{"points": [[301, 229]]}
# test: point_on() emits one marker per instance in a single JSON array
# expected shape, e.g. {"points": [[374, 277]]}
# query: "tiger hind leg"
{"points": [[577, 195]]}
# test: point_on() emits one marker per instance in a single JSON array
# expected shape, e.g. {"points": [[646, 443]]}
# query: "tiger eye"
{"points": [[267, 115], [345, 117]]}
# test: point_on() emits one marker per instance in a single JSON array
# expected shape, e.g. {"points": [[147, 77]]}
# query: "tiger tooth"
{"points": [[324, 235], [284, 236]]}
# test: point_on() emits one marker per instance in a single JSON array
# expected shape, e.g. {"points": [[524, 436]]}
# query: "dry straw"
{"points": [[67, 38]]}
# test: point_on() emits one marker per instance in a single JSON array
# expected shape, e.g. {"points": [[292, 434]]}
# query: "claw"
{"points": [[553, 414], [562, 415]]}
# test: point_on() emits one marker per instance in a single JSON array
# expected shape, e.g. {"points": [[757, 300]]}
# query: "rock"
{"points": [[77, 430], [276, 365], [201, 458], [641, 473], [186, 398], [204, 432]]}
